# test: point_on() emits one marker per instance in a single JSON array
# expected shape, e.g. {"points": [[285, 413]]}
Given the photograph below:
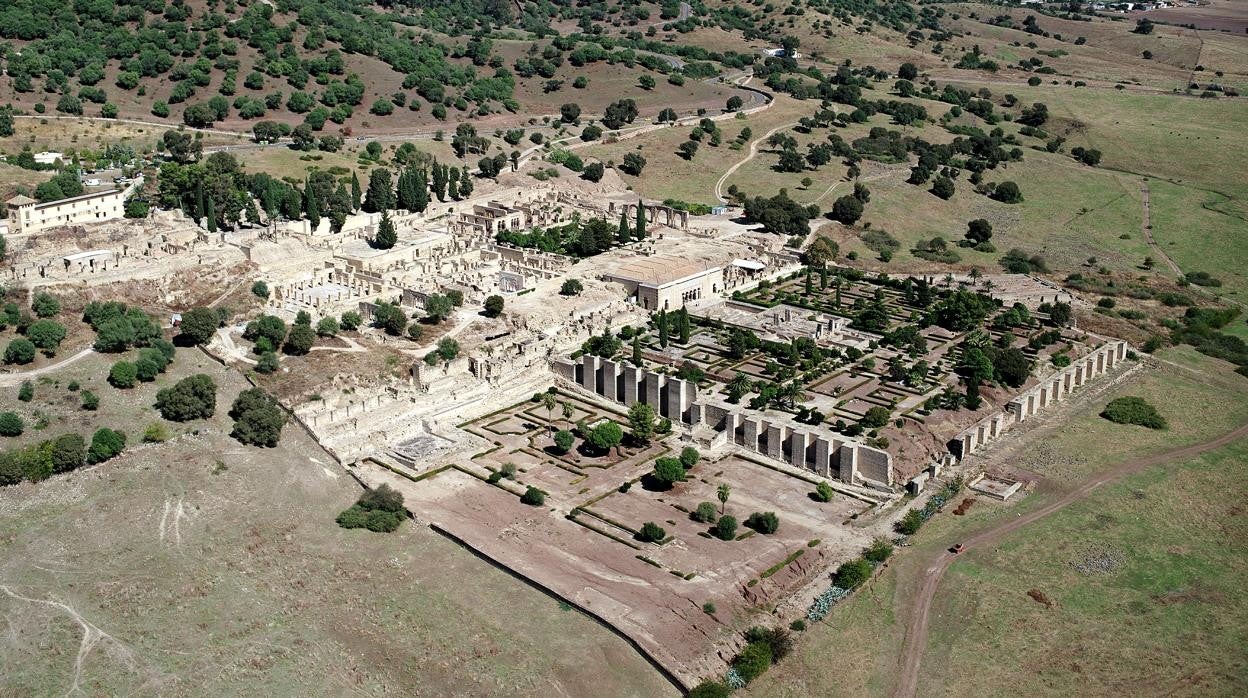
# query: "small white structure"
{"points": [[48, 157]]}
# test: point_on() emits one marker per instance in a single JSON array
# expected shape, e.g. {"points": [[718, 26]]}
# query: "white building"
{"points": [[48, 157]]}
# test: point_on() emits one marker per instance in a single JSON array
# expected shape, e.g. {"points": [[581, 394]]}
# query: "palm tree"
{"points": [[549, 402], [948, 280], [722, 493]]}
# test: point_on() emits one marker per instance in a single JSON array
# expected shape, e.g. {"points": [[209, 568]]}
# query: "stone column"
{"points": [[775, 441], [653, 390], [848, 462], [750, 430], [823, 455], [797, 449], [968, 443], [610, 379], [674, 399], [589, 379]]}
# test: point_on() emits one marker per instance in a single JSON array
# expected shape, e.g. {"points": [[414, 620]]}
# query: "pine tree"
{"points": [[311, 208], [355, 192], [664, 330], [625, 234], [211, 213], [386, 235], [465, 183], [640, 231]]}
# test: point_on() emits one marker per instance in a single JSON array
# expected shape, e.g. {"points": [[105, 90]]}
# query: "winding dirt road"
{"points": [[916, 627]]}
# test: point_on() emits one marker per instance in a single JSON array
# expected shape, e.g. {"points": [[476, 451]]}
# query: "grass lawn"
{"points": [[1165, 617]]}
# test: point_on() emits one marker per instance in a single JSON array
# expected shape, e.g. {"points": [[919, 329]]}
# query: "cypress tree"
{"points": [[197, 205], [810, 288], [664, 330], [683, 326], [452, 184], [640, 231], [355, 192], [636, 349], [465, 183], [439, 181], [211, 213], [386, 235], [823, 278], [625, 234], [311, 208], [420, 189], [380, 191]]}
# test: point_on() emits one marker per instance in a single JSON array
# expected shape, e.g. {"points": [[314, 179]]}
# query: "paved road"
{"points": [[916, 628]]}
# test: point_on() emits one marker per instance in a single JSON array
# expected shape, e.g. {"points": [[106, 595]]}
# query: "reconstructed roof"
{"points": [[658, 271], [20, 200]]}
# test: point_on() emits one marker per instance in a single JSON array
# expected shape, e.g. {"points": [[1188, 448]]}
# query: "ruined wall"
{"points": [[802, 446], [1051, 390]]}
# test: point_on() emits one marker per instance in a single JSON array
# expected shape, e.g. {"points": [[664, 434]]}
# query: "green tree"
{"points": [[641, 422], [852, 574], [651, 533], [564, 440], [69, 452], [356, 193], [494, 306], [824, 492], [19, 351], [726, 527], [193, 397], [705, 513], [258, 419], [26, 392], [124, 375], [668, 471], [198, 325], [47, 335], [605, 436], [639, 229], [386, 235], [105, 444], [300, 340], [753, 660], [45, 305], [438, 307], [763, 522]]}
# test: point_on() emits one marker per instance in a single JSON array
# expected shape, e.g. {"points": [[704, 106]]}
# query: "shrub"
{"points": [[824, 492], [879, 551], [90, 401], [20, 351], [779, 639], [689, 457], [379, 509], [726, 528], [268, 363], [1133, 410], [105, 444], [45, 305], [852, 574], [69, 451], [705, 513], [26, 393], [123, 375], [327, 327], [798, 625], [753, 660], [651, 533], [564, 440], [763, 522], [11, 424], [911, 522], [710, 689], [146, 369], [260, 290], [155, 433], [533, 497], [193, 397]]}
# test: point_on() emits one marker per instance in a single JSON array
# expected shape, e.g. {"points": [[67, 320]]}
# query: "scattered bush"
{"points": [[1133, 410], [105, 444], [193, 397], [651, 533], [533, 497], [379, 510], [11, 424], [705, 512], [852, 574], [726, 528], [124, 375], [258, 419]]}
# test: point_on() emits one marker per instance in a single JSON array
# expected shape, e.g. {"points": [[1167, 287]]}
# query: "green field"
{"points": [[988, 637]]}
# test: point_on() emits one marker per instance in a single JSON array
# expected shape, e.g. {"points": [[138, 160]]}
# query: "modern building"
{"points": [[29, 216], [667, 283]]}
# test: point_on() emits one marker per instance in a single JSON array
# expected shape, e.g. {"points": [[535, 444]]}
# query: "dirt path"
{"points": [[7, 379], [916, 626], [719, 186], [1146, 226]]}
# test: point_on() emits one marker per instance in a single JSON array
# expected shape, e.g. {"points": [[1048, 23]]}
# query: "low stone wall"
{"points": [[1049, 391], [812, 448]]}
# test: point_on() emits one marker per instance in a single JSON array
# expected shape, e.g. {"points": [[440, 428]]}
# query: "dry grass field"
{"points": [[202, 566]]}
